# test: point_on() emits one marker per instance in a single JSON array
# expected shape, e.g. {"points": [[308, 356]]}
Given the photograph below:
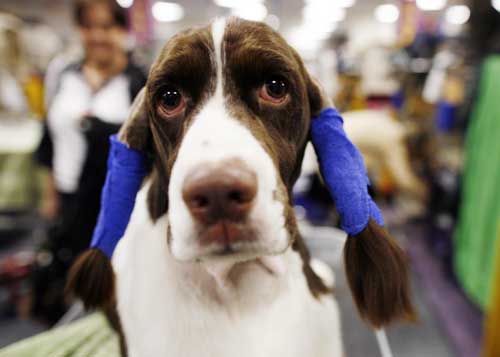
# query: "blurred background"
{"points": [[418, 83]]}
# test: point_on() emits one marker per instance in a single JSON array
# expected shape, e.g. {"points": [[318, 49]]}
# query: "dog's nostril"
{"points": [[241, 196], [236, 196], [200, 201]]}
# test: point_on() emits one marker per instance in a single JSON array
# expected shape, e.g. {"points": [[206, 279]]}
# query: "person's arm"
{"points": [[50, 198]]}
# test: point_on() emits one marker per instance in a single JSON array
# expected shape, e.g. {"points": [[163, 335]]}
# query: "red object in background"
{"points": [[16, 266], [377, 102], [15, 271]]}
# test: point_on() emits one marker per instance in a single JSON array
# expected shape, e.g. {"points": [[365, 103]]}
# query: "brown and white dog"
{"points": [[212, 263]]}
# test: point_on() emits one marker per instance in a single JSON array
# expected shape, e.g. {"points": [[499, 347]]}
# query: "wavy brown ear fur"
{"points": [[92, 279], [135, 131], [377, 272]]}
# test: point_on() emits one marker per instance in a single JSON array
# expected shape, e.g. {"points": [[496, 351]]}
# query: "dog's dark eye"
{"points": [[274, 90], [171, 102], [170, 98], [276, 87]]}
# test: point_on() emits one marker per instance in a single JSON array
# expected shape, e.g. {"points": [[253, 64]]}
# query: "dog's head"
{"points": [[228, 108]]}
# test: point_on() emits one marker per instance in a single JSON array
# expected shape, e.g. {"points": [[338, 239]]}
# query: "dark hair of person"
{"points": [[118, 13]]}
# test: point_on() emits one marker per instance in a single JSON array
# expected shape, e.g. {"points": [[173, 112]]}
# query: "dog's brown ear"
{"points": [[318, 99], [376, 267], [135, 131], [91, 277], [377, 272], [92, 280], [158, 194]]}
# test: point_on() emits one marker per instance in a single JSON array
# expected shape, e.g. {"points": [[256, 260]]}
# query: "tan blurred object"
{"points": [[491, 346], [12, 55], [386, 182], [25, 51], [418, 108], [381, 140], [14, 69], [350, 95], [454, 89], [407, 23]]}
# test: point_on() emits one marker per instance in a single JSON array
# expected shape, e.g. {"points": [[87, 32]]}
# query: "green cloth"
{"points": [[18, 181], [476, 235], [90, 336]]}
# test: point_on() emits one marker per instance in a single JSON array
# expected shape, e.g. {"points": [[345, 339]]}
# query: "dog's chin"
{"points": [[229, 267], [234, 253]]}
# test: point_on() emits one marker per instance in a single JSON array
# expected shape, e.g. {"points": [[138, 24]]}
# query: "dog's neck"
{"points": [[254, 277]]}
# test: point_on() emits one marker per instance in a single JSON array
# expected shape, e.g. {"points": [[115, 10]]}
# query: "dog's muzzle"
{"points": [[219, 198]]}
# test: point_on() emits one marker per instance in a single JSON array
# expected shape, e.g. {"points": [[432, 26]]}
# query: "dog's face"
{"points": [[229, 109]]}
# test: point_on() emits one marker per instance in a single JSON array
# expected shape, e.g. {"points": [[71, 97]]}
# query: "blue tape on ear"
{"points": [[126, 171], [344, 172]]}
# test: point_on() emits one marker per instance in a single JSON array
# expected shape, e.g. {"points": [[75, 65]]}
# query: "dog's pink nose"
{"points": [[225, 192]]}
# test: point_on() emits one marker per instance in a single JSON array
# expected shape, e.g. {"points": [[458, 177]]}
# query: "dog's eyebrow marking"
{"points": [[218, 28]]}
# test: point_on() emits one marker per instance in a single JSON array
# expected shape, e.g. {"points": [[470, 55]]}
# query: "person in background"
{"points": [[90, 101]]}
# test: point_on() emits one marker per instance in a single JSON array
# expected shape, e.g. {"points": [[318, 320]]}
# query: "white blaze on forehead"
{"points": [[218, 28]]}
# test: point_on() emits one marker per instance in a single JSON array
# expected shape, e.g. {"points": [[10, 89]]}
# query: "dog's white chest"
{"points": [[166, 310]]}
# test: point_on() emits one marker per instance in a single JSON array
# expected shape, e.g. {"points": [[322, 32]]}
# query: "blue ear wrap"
{"points": [[126, 170], [340, 162], [343, 172]]}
